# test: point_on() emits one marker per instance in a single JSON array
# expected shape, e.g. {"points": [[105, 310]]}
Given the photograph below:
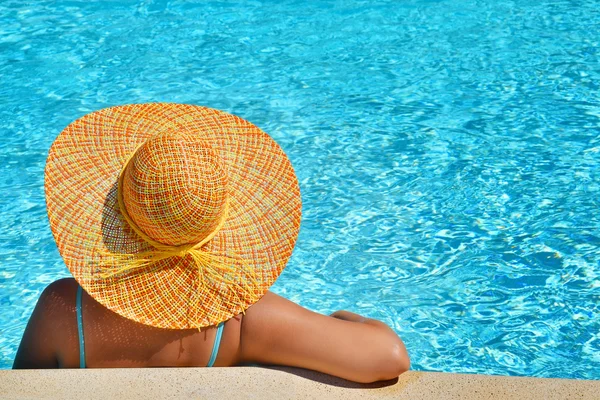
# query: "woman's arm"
{"points": [[278, 331]]}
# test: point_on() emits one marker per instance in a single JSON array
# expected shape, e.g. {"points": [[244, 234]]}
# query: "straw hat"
{"points": [[171, 215]]}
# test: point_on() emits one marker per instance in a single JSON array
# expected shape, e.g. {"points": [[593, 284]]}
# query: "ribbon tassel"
{"points": [[209, 266]]}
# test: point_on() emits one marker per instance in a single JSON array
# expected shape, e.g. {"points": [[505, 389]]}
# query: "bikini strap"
{"points": [[80, 329], [215, 349]]}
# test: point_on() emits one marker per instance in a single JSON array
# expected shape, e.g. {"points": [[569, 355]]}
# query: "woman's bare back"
{"points": [[272, 331]]}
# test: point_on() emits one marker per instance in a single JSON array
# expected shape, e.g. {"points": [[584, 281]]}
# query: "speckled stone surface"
{"points": [[276, 383]]}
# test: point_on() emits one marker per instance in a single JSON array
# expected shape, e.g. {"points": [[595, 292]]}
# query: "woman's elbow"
{"points": [[397, 362], [392, 361], [400, 359]]}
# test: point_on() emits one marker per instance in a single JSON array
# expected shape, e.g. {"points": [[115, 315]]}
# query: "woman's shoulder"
{"points": [[50, 324], [56, 303], [60, 290]]}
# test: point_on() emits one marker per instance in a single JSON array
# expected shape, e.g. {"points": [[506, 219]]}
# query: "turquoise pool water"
{"points": [[448, 154]]}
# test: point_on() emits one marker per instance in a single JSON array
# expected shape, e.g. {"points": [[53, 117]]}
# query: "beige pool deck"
{"points": [[276, 383]]}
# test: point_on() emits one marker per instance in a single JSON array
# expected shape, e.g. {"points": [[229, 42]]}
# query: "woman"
{"points": [[175, 220]]}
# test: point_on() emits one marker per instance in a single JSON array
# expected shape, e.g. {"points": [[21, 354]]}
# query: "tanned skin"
{"points": [[273, 331]]}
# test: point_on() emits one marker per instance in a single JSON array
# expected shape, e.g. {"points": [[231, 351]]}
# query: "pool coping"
{"points": [[277, 383]]}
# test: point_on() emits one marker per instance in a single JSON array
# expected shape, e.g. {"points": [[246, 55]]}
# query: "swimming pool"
{"points": [[448, 155]]}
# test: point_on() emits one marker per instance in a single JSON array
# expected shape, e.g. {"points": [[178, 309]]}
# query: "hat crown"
{"points": [[175, 189]]}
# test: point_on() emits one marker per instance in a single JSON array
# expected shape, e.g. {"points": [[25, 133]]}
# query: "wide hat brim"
{"points": [[261, 228]]}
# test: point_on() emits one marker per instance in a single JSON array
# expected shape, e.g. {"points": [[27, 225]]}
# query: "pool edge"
{"points": [[276, 383]]}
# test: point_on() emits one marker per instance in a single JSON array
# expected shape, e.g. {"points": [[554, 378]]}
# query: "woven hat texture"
{"points": [[210, 199]]}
